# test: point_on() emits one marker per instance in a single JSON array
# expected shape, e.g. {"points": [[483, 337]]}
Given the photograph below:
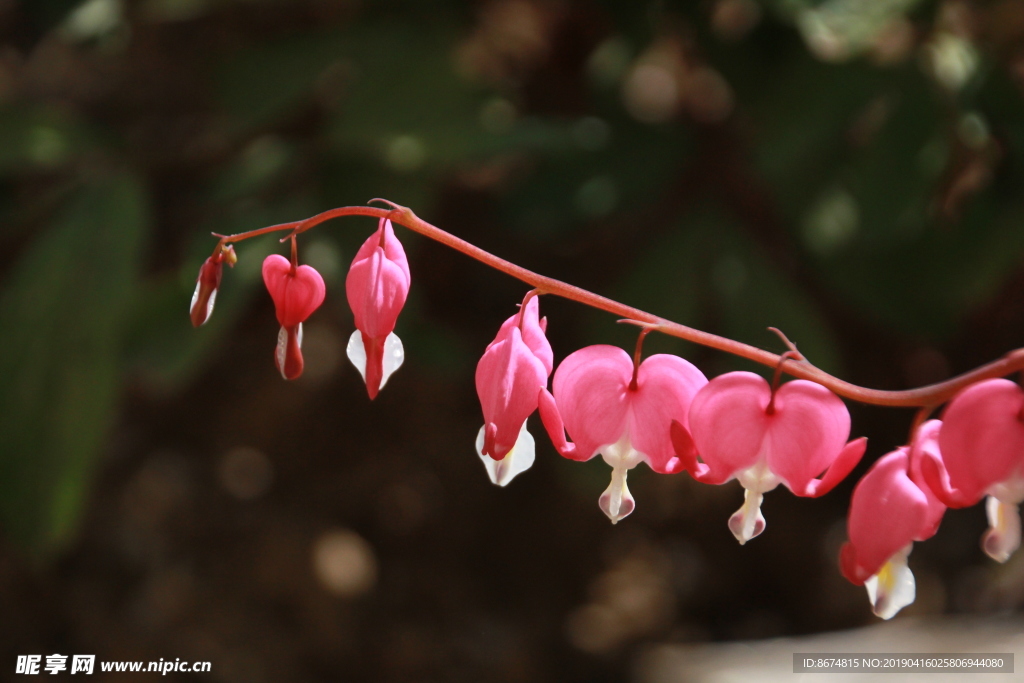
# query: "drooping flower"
{"points": [[982, 442], [741, 430], [297, 291], [892, 507], [377, 286], [208, 282], [510, 375], [609, 406]]}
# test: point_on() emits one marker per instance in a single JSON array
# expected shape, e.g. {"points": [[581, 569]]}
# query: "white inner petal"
{"points": [[758, 477], [1010, 491], [394, 356], [748, 522], [282, 350], [893, 587], [517, 460], [209, 304], [616, 501], [195, 296], [357, 353], [1003, 536]]}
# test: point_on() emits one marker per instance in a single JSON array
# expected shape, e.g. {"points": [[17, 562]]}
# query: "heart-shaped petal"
{"points": [[666, 386], [806, 433], [591, 388], [296, 294], [982, 437], [728, 422]]}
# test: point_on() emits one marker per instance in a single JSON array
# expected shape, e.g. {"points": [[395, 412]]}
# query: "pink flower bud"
{"points": [[297, 292], [892, 507], [207, 284], [510, 375], [377, 286]]}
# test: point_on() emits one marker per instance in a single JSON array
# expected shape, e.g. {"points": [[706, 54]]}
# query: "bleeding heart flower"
{"points": [[510, 375], [892, 507], [297, 291], [741, 431], [611, 407], [982, 441], [207, 284], [377, 286]]}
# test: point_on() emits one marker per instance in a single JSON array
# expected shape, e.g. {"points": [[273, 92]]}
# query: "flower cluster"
{"points": [[664, 412], [377, 286], [975, 451]]}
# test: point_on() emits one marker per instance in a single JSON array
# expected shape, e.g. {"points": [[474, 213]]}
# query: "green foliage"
{"points": [[40, 139], [62, 311]]}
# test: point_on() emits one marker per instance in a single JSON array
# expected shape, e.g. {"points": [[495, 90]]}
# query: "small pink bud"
{"points": [[297, 292]]}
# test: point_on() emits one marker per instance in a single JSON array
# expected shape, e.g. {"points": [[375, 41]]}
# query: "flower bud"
{"points": [[208, 283], [377, 286], [297, 291]]}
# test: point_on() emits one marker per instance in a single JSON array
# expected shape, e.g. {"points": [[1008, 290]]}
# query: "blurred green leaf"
{"points": [[62, 313], [39, 138], [804, 114], [260, 84], [406, 105], [926, 287]]}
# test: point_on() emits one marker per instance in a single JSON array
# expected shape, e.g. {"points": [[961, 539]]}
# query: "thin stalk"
{"points": [[930, 395]]}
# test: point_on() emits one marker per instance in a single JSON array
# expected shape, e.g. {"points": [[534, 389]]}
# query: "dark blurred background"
{"points": [[847, 171]]}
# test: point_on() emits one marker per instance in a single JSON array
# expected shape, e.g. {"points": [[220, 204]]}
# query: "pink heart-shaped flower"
{"points": [[296, 294]]}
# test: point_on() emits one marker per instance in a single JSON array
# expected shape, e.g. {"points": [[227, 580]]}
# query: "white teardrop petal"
{"points": [[1003, 536], [617, 502], [357, 352], [748, 522], [893, 587], [394, 356], [517, 460]]}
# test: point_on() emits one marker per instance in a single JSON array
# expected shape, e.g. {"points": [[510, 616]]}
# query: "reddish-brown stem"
{"points": [[788, 355], [644, 331], [931, 395], [919, 419]]}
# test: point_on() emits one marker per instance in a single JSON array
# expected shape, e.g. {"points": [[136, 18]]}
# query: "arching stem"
{"points": [[931, 395]]}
